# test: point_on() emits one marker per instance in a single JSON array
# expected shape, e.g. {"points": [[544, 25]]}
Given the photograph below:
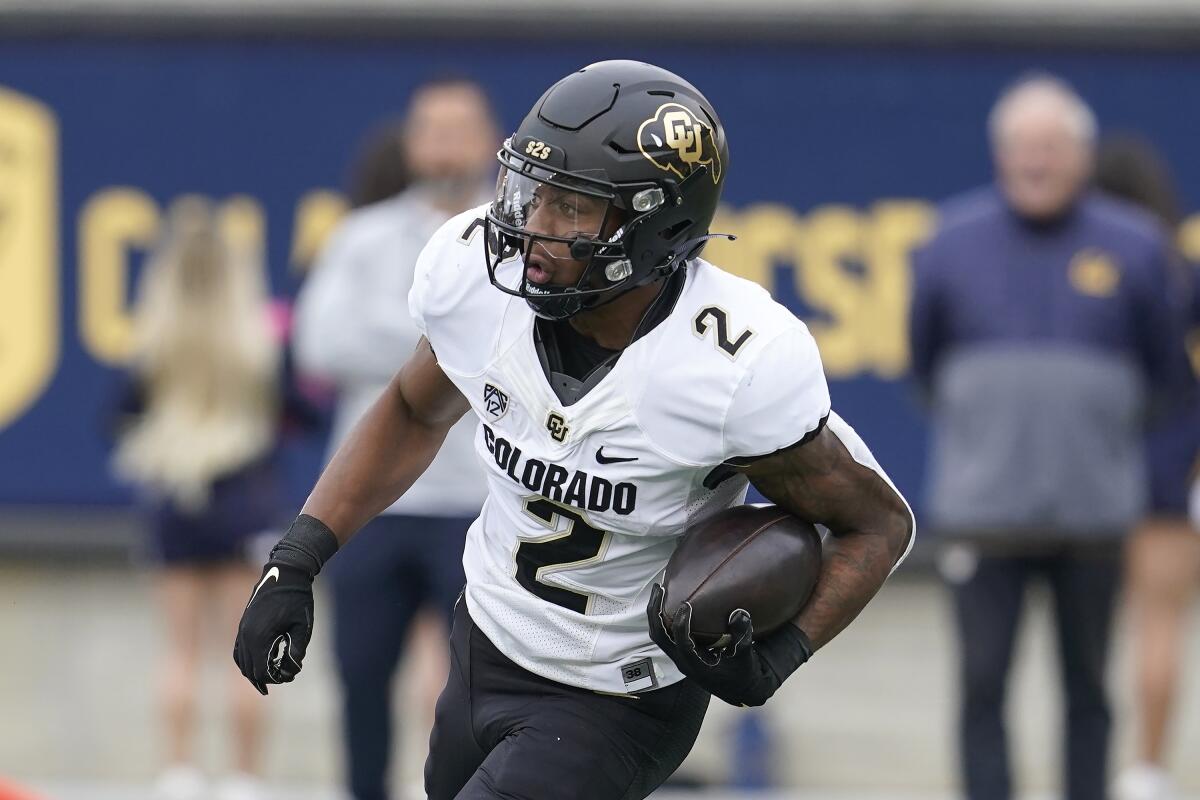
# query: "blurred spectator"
{"points": [[380, 170], [353, 328], [1163, 570], [199, 438], [1131, 169], [1041, 325]]}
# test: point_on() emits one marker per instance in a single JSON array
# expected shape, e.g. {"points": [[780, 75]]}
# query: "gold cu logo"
{"points": [[29, 258], [557, 425], [1094, 273], [683, 135], [686, 141]]}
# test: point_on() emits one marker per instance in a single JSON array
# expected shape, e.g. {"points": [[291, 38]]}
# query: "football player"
{"points": [[625, 388]]}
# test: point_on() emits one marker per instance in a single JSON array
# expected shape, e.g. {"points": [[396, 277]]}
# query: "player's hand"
{"points": [[276, 626], [278, 621], [743, 672]]}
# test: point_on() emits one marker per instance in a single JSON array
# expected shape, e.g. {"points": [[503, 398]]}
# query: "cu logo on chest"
{"points": [[557, 425]]}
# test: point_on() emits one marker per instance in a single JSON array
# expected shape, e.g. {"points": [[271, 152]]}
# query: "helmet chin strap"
{"points": [[689, 246], [582, 248]]}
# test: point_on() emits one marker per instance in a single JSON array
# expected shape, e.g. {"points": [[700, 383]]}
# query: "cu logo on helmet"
{"points": [[676, 140]]}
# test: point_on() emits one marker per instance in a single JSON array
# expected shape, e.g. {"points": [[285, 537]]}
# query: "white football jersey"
{"points": [[586, 502]]}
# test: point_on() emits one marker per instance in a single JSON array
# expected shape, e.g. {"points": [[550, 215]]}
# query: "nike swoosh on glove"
{"points": [[276, 626], [743, 673]]}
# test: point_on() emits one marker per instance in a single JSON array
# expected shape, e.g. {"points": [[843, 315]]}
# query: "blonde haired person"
{"points": [[1163, 559], [205, 375]]}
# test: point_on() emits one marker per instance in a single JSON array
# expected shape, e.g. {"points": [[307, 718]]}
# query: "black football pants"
{"points": [[502, 732], [1084, 586]]}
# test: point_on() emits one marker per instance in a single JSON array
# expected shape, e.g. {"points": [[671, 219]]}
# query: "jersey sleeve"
{"points": [[443, 277], [418, 295], [452, 302], [781, 400]]}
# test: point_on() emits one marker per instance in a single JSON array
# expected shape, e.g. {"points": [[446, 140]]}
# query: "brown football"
{"points": [[762, 559]]}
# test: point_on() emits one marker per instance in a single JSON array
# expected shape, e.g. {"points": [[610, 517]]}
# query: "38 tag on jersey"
{"points": [[639, 676]]}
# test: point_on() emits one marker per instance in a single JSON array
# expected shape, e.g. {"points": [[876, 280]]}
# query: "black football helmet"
{"points": [[620, 165]]}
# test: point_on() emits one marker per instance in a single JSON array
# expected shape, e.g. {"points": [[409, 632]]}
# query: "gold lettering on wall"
{"points": [[29, 257], [850, 268], [112, 223], [317, 213]]}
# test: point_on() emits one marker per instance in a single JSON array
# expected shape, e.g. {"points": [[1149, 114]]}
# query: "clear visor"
{"points": [[539, 201]]}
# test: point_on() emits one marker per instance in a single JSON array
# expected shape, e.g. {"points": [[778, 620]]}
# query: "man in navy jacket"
{"points": [[1043, 331]]}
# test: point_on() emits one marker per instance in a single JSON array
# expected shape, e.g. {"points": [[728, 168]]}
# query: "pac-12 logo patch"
{"points": [[676, 140], [495, 401]]}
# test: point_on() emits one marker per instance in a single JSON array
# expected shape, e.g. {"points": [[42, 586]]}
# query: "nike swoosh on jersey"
{"points": [[603, 459], [273, 572]]}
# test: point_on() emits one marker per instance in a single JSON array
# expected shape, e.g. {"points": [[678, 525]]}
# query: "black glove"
{"points": [[743, 672], [278, 621]]}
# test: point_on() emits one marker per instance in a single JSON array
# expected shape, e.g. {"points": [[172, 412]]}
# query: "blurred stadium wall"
{"points": [[847, 120]]}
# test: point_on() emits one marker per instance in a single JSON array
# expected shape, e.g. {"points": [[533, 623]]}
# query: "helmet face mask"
{"points": [[569, 227], [601, 191]]}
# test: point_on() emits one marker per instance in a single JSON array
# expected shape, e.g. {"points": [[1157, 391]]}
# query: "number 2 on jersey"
{"points": [[715, 314], [577, 544]]}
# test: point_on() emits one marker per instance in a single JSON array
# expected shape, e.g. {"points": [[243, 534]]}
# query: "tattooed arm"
{"points": [[820, 481], [870, 525]]}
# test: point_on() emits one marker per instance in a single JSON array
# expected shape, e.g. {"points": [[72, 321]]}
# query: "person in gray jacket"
{"points": [[353, 329], [1042, 331]]}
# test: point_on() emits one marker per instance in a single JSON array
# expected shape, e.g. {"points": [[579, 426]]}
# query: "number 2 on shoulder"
{"points": [[715, 316]]}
